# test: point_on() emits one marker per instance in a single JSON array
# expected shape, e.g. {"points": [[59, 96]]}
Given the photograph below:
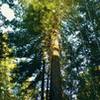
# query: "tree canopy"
{"points": [[49, 49]]}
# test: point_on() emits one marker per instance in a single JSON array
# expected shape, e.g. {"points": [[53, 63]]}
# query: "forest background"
{"points": [[49, 49]]}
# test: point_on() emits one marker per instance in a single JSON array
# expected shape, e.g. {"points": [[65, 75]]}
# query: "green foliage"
{"points": [[79, 25], [6, 65], [82, 53]]}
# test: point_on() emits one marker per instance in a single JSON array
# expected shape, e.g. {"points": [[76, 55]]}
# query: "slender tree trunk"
{"points": [[47, 88], [43, 79], [55, 85]]}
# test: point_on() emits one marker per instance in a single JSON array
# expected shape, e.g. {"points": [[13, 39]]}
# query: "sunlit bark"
{"points": [[55, 87]]}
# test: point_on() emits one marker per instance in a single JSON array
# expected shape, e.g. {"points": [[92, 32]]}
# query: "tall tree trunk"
{"points": [[47, 88], [43, 79], [55, 85]]}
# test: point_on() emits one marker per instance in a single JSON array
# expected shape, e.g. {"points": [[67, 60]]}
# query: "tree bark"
{"points": [[55, 85], [43, 79], [47, 88]]}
